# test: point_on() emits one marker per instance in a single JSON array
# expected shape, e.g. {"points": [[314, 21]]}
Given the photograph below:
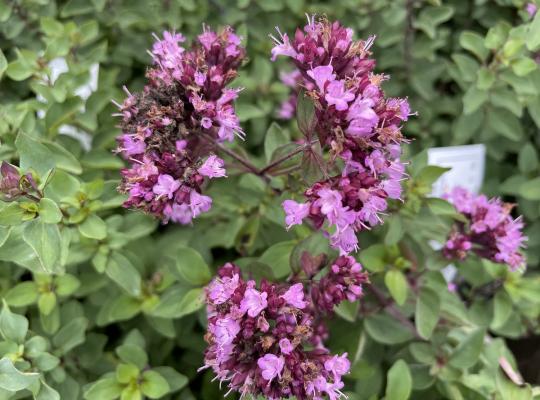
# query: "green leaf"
{"points": [[23, 294], [12, 326], [528, 158], [45, 241], [395, 230], [512, 48], [473, 99], [76, 7], [429, 174], [468, 66], [373, 258], [46, 392], [12, 379], [132, 354], [43, 156], [70, 335], [175, 379], [441, 207], [178, 302], [430, 17], [46, 302], [49, 211], [305, 114], [530, 190], [131, 393], [104, 389], [189, 267], [93, 227], [246, 111], [66, 285], [347, 310], [502, 309], [275, 138], [533, 35], [397, 285], [497, 35], [154, 385], [125, 373], [486, 78], [19, 70], [399, 381], [121, 271], [474, 43], [12, 214], [62, 185], [3, 64], [427, 312], [385, 329], [314, 245], [505, 123], [277, 257], [524, 66], [466, 354]]}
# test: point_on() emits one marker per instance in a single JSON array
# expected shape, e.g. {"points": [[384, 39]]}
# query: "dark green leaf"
{"points": [[45, 242], [189, 267]]}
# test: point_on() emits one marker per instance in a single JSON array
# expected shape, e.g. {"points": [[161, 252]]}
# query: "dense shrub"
{"points": [[104, 302]]}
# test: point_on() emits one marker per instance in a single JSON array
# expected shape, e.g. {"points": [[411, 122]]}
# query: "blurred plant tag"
{"points": [[467, 163]]}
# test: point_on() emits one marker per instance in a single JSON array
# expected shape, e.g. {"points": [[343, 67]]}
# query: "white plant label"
{"points": [[467, 163]]}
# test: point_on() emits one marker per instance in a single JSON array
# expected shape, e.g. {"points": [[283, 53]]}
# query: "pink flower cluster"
{"points": [[265, 340], [490, 231], [172, 126], [356, 122]]}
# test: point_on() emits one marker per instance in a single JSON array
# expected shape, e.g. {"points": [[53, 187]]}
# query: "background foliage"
{"points": [[101, 302]]}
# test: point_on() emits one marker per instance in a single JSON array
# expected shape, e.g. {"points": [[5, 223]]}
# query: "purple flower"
{"points": [[253, 302], [321, 75], [180, 213], [295, 296], [282, 361], [132, 145], [186, 96], [355, 122], [221, 290], [338, 365], [329, 201], [490, 231], [286, 346], [345, 240], [282, 47], [199, 203], [338, 96], [531, 9], [166, 186], [295, 212], [271, 366], [225, 330], [213, 167]]}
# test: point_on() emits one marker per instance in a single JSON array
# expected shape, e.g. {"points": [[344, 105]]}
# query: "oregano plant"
{"points": [[156, 244]]}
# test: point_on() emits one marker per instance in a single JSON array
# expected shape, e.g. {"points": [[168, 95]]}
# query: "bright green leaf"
{"points": [[399, 382]]}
